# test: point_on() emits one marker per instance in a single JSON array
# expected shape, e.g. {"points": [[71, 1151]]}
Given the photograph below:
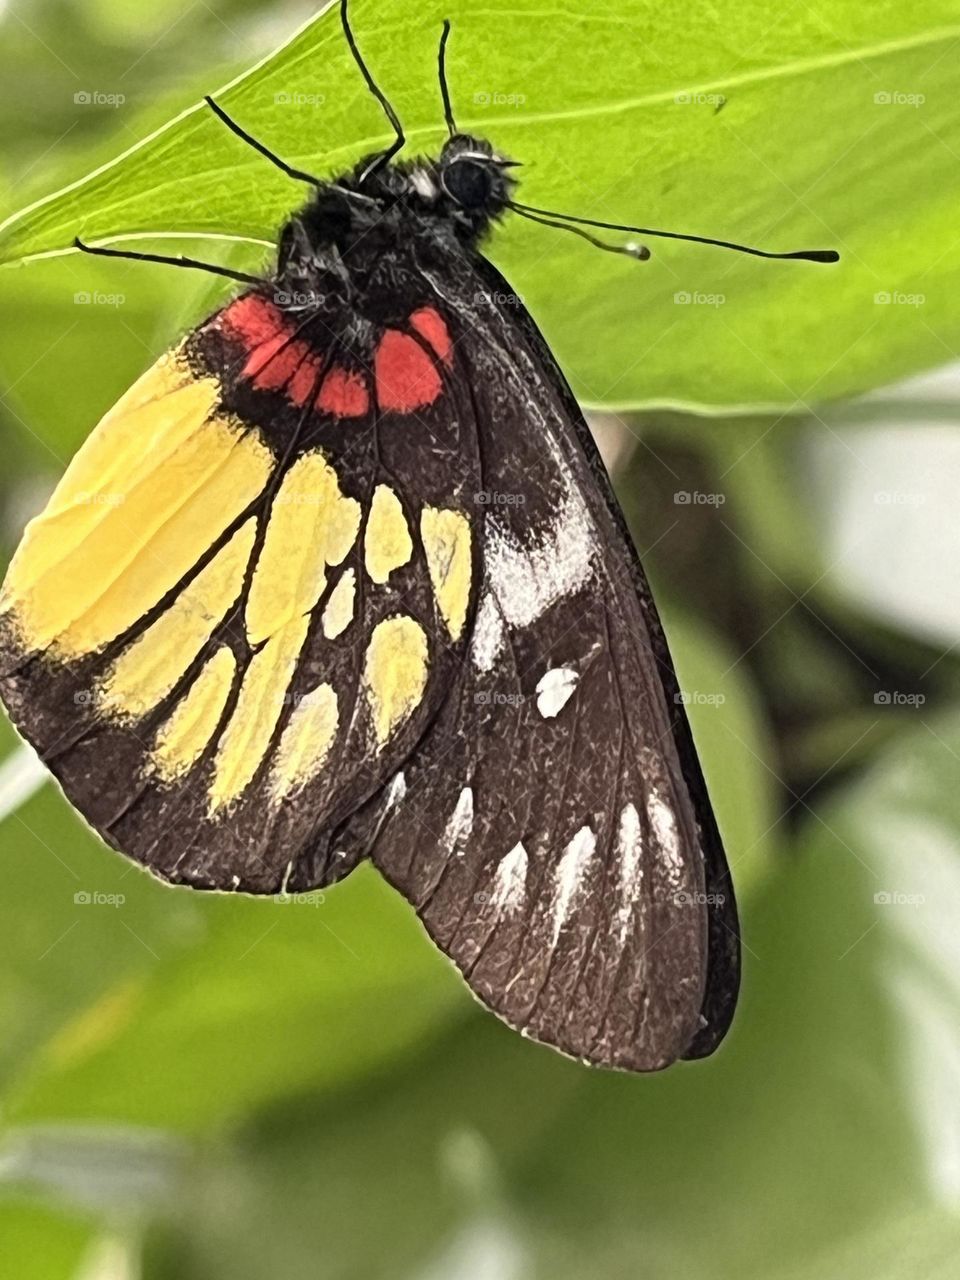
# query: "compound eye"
{"points": [[468, 183]]}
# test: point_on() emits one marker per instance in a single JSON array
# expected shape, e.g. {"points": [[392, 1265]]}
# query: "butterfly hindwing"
{"points": [[554, 834]]}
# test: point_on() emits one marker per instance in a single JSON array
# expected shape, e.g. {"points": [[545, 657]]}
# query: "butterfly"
{"points": [[343, 578]]}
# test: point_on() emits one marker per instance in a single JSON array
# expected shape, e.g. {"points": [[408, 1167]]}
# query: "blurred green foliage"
{"points": [[197, 1087]]}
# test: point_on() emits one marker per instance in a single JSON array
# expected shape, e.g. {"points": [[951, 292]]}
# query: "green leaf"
{"points": [[79, 929], [58, 319], [111, 978], [732, 743], [833, 118], [41, 1244], [276, 996]]}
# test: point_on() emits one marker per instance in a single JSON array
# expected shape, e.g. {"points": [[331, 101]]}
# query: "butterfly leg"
{"points": [[195, 264]]}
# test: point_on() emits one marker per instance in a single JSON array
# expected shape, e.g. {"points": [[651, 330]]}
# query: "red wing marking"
{"points": [[303, 384], [281, 362], [344, 394], [276, 361], [254, 320], [261, 354], [407, 378], [430, 325]]}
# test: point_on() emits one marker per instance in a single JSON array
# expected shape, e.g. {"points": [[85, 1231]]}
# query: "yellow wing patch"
{"points": [[338, 613], [161, 476], [387, 544], [181, 741], [446, 543], [312, 525], [150, 667], [394, 673], [306, 741], [247, 737]]}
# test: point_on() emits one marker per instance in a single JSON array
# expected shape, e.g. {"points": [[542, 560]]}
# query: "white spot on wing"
{"points": [[510, 882], [488, 634], [527, 580], [460, 824], [396, 791], [664, 825], [629, 848], [569, 876], [555, 690]]}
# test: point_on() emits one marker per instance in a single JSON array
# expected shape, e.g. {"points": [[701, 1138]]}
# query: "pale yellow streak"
{"points": [[147, 670], [182, 739], [306, 741], [246, 738], [446, 542], [394, 673], [155, 484], [387, 543], [312, 525], [338, 613]]}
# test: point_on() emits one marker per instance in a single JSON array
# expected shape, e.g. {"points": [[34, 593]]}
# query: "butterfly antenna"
{"points": [[444, 89], [805, 255], [640, 252], [297, 174], [384, 157]]}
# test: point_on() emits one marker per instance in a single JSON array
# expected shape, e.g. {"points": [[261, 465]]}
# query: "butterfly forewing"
{"points": [[242, 605]]}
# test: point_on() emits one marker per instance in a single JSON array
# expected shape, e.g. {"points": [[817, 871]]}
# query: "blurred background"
{"points": [[198, 1087]]}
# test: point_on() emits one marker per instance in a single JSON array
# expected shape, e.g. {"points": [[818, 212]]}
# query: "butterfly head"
{"points": [[466, 187], [473, 177], [468, 183]]}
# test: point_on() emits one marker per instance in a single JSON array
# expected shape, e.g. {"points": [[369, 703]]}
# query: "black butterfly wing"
{"points": [[554, 832]]}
